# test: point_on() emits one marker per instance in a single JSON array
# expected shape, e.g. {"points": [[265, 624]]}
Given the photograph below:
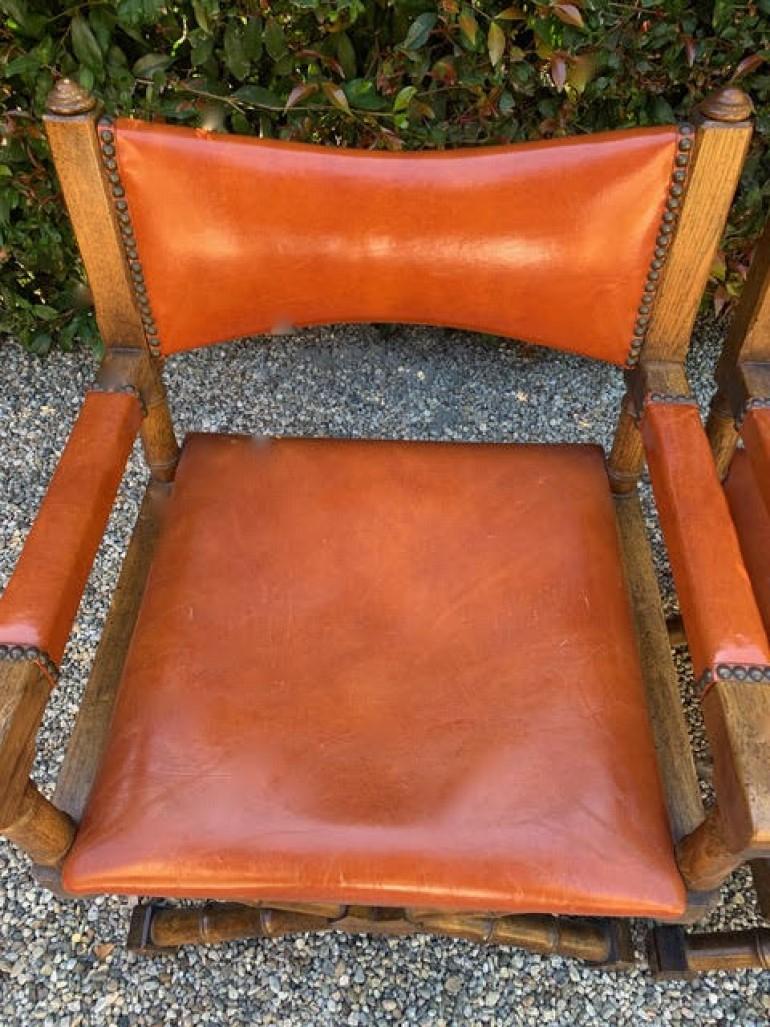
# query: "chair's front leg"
{"points": [[39, 605], [26, 817], [725, 634]]}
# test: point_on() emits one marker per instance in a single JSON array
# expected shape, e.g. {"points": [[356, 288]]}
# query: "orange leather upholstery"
{"points": [[718, 606], [43, 595], [548, 242], [389, 673], [755, 432], [752, 521]]}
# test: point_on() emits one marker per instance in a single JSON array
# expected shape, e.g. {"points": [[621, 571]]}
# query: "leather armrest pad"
{"points": [[715, 594], [43, 595]]}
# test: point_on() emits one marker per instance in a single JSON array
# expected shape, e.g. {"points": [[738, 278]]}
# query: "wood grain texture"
{"points": [[715, 168], [24, 691], [137, 368], [737, 719], [722, 433], [626, 460], [705, 857], [591, 940], [40, 829], [88, 737], [672, 742], [76, 154]]}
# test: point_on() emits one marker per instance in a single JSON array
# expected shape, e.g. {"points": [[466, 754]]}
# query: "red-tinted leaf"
{"points": [[721, 298], [747, 65], [300, 93], [690, 49], [558, 71], [569, 14], [495, 43], [444, 71], [335, 93], [469, 26]]}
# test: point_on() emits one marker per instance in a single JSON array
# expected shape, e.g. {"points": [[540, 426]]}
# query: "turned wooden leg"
{"points": [[705, 859], [40, 829], [626, 460]]}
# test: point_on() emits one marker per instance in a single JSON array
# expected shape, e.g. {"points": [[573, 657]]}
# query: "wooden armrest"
{"points": [[725, 633], [39, 605]]}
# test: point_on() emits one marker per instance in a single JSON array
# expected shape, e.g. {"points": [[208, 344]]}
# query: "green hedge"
{"points": [[383, 73]]}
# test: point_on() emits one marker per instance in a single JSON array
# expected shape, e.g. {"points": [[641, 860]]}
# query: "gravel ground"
{"points": [[63, 964]]}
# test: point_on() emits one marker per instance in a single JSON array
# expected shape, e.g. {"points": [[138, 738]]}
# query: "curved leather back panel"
{"points": [[548, 242]]}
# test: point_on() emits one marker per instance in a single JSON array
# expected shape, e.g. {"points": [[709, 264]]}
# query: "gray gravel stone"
{"points": [[57, 966]]}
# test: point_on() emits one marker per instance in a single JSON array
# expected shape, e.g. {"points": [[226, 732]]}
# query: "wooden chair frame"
{"points": [[706, 842], [742, 396]]}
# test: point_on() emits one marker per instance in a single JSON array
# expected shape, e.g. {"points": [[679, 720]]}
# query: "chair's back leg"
{"points": [[71, 125]]}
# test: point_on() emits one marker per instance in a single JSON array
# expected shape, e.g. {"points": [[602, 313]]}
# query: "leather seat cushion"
{"points": [[752, 522], [384, 673]]}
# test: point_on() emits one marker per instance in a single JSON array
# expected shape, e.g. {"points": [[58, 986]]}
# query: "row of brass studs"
{"points": [[663, 241], [753, 672], [30, 652], [671, 398], [109, 160], [130, 390]]}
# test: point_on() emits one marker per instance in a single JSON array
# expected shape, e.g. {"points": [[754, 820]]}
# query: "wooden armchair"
{"points": [[740, 413], [387, 686]]}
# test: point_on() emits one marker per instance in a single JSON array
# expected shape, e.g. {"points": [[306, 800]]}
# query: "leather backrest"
{"points": [[549, 242]]}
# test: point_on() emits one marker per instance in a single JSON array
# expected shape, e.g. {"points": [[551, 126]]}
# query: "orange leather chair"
{"points": [[394, 686]]}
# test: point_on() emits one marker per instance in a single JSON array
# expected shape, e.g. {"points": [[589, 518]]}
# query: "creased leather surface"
{"points": [[752, 522], [389, 673], [39, 605], [717, 603], [549, 242]]}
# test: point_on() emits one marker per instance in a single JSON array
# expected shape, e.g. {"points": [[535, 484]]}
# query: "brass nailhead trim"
{"points": [[130, 390], [754, 673], [671, 398], [666, 228], [30, 652], [106, 142]]}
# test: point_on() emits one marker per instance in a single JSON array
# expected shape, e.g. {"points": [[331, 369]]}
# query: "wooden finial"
{"points": [[729, 104], [67, 98]]}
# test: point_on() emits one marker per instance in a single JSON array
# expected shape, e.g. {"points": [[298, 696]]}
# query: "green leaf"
{"points": [[205, 11], [419, 30], [257, 96], [252, 39], [44, 313], [275, 40], [236, 60], [495, 43], [404, 98], [84, 44], [146, 66], [346, 55], [21, 66], [362, 95], [139, 12]]}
